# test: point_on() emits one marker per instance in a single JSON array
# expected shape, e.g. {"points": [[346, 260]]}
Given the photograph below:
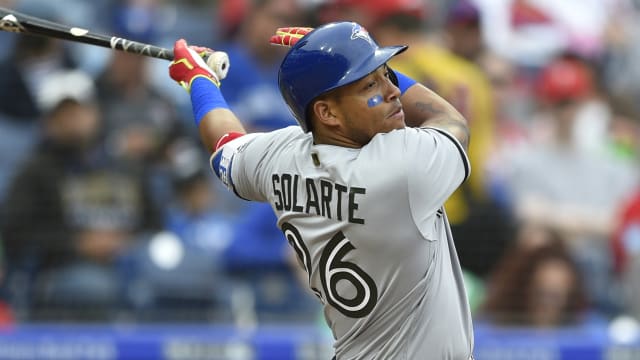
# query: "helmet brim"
{"points": [[380, 57]]}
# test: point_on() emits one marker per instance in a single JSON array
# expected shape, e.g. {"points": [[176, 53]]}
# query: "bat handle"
{"points": [[218, 61]]}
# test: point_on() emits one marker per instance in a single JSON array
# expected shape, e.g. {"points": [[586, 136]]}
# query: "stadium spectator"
{"points": [[259, 259], [70, 214], [575, 189], [625, 245], [178, 274], [253, 92], [463, 31], [624, 127], [622, 54], [139, 121], [195, 215], [536, 283], [30, 60], [514, 109], [531, 33], [23, 68]]}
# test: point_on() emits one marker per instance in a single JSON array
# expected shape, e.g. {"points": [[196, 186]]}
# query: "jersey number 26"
{"points": [[334, 269]]}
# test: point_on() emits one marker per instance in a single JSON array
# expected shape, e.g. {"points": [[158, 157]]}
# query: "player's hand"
{"points": [[289, 36], [218, 61], [188, 65]]}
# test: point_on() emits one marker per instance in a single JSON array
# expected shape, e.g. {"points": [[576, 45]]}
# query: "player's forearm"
{"points": [[215, 124], [211, 113], [423, 107]]}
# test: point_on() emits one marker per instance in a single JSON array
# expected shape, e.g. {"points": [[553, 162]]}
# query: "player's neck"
{"points": [[336, 139]]}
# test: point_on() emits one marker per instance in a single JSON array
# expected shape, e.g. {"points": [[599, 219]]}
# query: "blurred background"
{"points": [[116, 242]]}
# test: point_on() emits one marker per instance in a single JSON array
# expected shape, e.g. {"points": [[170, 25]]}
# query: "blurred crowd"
{"points": [[110, 213]]}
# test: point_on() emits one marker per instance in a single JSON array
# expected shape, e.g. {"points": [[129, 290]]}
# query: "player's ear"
{"points": [[326, 112]]}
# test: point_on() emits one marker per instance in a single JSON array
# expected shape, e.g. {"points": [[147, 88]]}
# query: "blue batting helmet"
{"points": [[328, 57]]}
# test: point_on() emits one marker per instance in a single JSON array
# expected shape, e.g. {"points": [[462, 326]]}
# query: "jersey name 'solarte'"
{"points": [[324, 198]]}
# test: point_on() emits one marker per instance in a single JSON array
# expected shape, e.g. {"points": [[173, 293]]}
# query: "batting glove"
{"points": [[188, 64], [289, 36]]}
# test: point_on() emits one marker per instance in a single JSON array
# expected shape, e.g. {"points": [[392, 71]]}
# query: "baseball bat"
{"points": [[14, 21]]}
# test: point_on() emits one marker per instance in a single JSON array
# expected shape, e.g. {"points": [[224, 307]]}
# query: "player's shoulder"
{"points": [[406, 133], [404, 140], [279, 138], [287, 133], [402, 150], [393, 144], [237, 142]]}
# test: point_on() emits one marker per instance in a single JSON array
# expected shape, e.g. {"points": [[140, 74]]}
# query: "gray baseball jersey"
{"points": [[369, 229]]}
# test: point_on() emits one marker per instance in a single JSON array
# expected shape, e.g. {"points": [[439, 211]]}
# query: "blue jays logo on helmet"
{"points": [[359, 32], [328, 57]]}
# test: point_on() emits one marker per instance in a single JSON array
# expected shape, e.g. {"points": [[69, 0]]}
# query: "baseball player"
{"points": [[358, 188]]}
